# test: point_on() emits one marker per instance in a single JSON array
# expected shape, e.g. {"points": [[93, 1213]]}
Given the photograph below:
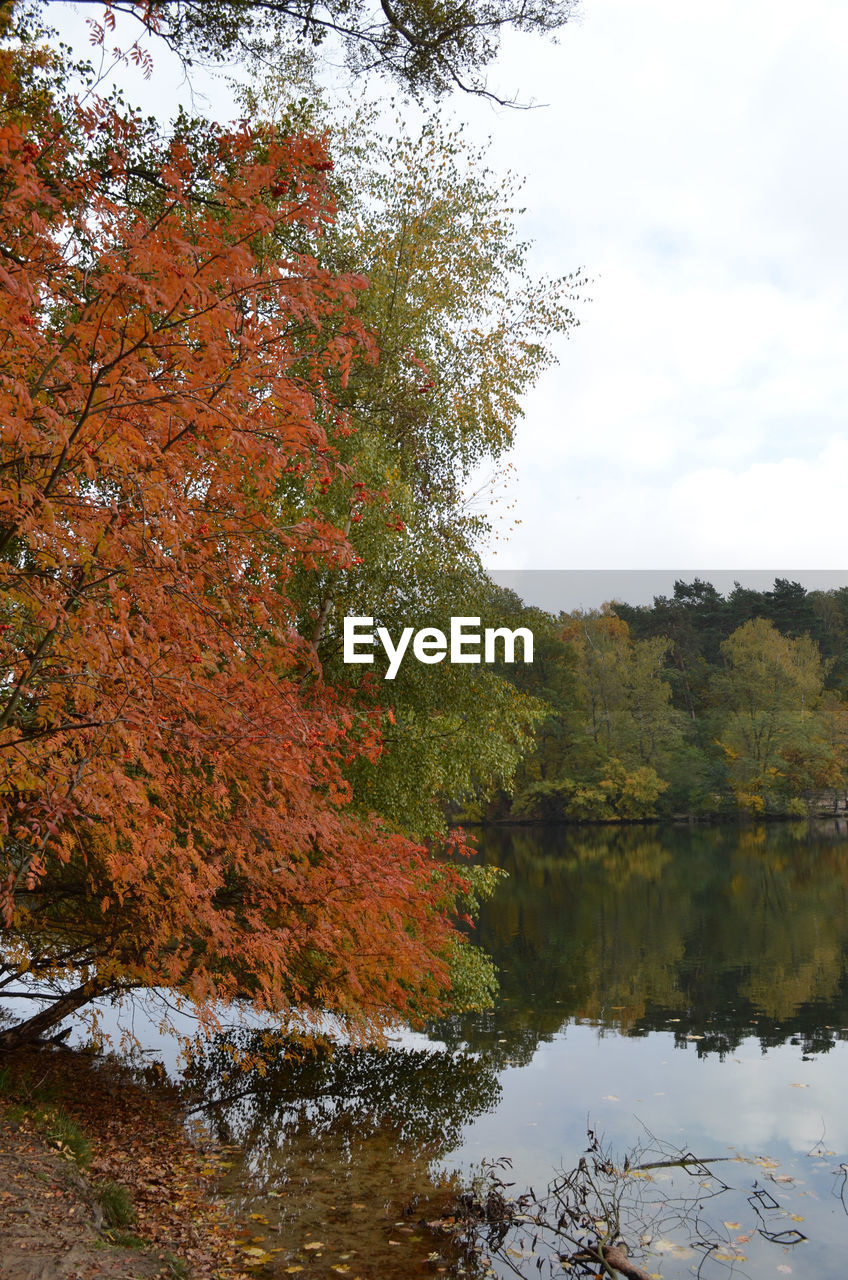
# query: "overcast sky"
{"points": [[691, 158]]}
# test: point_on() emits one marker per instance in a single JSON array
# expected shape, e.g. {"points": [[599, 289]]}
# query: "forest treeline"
{"points": [[700, 703]]}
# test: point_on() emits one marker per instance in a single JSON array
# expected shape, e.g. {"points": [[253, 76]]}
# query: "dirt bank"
{"points": [[99, 1180]]}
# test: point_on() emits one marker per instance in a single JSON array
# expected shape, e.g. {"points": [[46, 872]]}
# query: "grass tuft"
{"points": [[176, 1267], [118, 1208], [121, 1240], [65, 1134]]}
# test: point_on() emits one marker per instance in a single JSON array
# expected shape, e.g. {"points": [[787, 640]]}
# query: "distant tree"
{"points": [[612, 733], [624, 690], [774, 723]]}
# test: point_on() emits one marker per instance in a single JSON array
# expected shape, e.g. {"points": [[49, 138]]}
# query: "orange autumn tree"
{"points": [[171, 763]]}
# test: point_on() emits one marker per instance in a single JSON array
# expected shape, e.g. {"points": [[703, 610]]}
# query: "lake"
{"points": [[671, 989]]}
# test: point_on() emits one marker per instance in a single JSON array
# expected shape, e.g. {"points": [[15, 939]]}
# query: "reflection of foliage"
{"points": [[718, 933], [593, 1217], [338, 1143], [423, 1096]]}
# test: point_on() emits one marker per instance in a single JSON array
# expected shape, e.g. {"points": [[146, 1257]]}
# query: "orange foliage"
{"points": [[170, 760]]}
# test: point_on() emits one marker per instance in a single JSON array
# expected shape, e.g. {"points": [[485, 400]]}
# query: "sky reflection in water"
{"points": [[682, 979]]}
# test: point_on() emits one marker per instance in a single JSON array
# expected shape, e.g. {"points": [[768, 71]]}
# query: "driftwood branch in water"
{"points": [[681, 1162], [617, 1259]]}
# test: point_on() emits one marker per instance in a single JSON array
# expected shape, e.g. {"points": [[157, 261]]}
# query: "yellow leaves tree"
{"points": [[779, 731]]}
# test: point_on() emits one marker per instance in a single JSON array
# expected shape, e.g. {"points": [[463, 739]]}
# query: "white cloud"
{"points": [[689, 159], [787, 511]]}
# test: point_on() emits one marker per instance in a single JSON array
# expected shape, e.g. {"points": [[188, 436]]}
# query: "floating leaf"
{"points": [[256, 1257], [671, 1247]]}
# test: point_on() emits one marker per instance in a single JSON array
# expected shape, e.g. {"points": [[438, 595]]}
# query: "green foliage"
{"points": [[767, 706], [633, 796], [683, 706], [463, 329], [544, 800], [129, 1240], [611, 729], [483, 882], [118, 1208], [474, 981], [65, 1134], [451, 731]]}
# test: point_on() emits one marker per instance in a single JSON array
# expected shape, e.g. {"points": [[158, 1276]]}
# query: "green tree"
{"points": [[463, 330], [626, 697], [773, 723], [617, 733]]}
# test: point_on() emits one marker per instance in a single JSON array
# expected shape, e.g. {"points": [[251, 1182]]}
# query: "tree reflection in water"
{"points": [[715, 932], [338, 1146]]}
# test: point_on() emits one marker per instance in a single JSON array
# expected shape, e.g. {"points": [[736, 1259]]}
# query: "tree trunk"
{"points": [[31, 1030], [617, 1259]]}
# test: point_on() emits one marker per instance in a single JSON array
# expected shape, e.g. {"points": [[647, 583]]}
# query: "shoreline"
{"points": [[100, 1180]]}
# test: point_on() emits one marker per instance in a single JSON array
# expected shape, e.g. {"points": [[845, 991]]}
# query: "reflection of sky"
{"points": [[147, 1024], [620, 1085], [625, 1089], [747, 1105]]}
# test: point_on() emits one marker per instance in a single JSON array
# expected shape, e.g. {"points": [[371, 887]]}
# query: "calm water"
{"points": [[681, 986]]}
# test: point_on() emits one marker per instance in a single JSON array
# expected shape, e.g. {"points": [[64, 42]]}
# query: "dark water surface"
{"points": [[687, 985]]}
